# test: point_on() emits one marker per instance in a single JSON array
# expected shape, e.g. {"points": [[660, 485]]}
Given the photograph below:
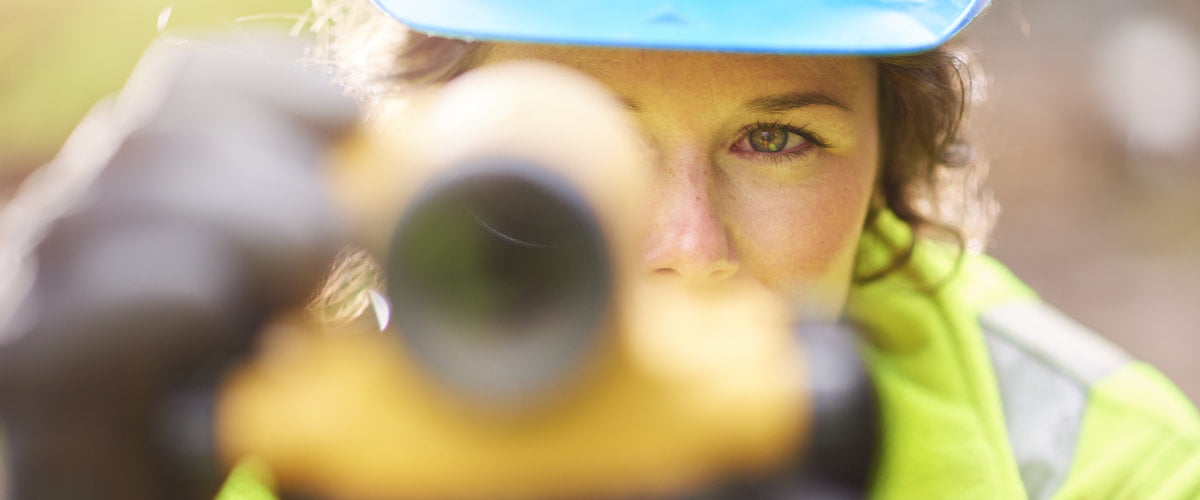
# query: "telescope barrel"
{"points": [[499, 279]]}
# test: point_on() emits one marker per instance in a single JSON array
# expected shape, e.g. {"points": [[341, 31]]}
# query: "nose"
{"points": [[687, 238]]}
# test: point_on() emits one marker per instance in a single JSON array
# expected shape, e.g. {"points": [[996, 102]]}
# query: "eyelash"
{"points": [[811, 137]]}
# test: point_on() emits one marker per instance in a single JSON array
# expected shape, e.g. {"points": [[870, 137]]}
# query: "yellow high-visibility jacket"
{"points": [[986, 392]]}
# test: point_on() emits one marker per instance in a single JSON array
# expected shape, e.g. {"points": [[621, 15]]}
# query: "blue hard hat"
{"points": [[779, 26]]}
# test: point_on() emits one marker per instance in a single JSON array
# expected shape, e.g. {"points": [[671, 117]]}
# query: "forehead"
{"points": [[634, 73]]}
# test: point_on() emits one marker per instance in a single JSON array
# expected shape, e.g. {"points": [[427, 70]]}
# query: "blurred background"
{"points": [[1092, 126], [1091, 123]]}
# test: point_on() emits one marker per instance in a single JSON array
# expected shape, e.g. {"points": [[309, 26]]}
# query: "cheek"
{"points": [[800, 238]]}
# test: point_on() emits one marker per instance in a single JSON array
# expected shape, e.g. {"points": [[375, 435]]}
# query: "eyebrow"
{"points": [[772, 103], [795, 100]]}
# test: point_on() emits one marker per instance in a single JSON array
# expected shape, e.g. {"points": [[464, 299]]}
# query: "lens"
{"points": [[499, 280]]}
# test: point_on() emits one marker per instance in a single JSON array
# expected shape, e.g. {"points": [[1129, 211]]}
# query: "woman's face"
{"points": [[764, 164]]}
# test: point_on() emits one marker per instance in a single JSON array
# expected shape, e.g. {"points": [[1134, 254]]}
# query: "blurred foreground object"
{"points": [[208, 210], [529, 355]]}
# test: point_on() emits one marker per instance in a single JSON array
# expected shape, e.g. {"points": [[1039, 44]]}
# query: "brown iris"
{"points": [[768, 139]]}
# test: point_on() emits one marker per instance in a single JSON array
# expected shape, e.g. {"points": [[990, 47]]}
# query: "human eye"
{"points": [[775, 141]]}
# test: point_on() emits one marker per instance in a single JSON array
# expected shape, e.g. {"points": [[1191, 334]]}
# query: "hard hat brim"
{"points": [[766, 26]]}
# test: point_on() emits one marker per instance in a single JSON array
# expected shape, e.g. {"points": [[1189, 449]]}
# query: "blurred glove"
{"points": [[210, 214]]}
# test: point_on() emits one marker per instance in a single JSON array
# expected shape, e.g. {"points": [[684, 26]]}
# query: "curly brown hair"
{"points": [[929, 173]]}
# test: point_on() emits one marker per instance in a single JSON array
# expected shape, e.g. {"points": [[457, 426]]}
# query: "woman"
{"points": [[809, 175], [803, 175]]}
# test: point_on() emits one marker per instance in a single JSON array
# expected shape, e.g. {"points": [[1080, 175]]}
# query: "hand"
{"points": [[210, 215]]}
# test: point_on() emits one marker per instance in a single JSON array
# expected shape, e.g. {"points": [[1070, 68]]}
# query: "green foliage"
{"points": [[60, 57]]}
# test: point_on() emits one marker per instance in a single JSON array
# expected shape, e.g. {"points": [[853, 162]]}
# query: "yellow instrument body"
{"points": [[687, 386]]}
